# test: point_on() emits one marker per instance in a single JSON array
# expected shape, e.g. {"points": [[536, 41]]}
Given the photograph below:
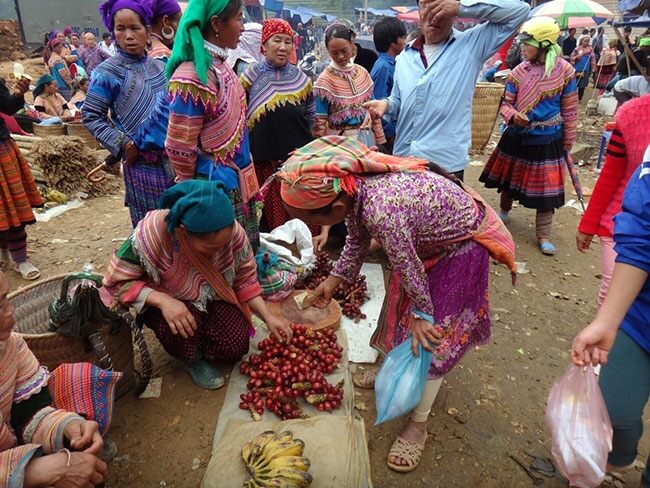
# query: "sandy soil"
{"points": [[490, 407]]}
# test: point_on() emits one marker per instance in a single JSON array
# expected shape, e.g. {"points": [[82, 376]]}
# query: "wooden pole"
{"points": [[20, 24]]}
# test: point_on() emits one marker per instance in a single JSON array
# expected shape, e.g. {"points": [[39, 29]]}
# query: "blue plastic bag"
{"points": [[400, 381]]}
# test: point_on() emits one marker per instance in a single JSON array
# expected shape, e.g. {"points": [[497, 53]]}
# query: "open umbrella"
{"points": [[564, 10]]}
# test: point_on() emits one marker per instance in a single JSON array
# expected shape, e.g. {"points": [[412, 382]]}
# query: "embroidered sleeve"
{"points": [[569, 108], [30, 375], [378, 131], [186, 117], [310, 112], [13, 463], [508, 109], [245, 283], [102, 93]]}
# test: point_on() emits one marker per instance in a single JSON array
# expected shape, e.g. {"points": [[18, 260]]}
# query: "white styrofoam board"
{"points": [[359, 350]]}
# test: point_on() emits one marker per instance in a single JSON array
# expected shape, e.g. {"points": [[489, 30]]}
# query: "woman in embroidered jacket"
{"points": [[131, 86], [166, 15], [280, 113], [189, 271], [343, 88], [432, 229], [33, 433], [541, 115], [207, 136]]}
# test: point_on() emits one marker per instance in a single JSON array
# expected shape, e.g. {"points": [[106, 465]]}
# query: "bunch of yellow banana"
{"points": [[275, 460]]}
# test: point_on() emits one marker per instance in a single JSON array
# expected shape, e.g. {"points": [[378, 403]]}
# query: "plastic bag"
{"points": [[400, 381], [580, 427], [366, 137], [277, 242]]}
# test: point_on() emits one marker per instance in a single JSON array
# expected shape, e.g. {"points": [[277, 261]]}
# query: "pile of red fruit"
{"points": [[282, 373], [349, 295]]}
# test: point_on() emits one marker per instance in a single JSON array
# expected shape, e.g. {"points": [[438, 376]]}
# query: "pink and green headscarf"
{"points": [[189, 43], [317, 173]]}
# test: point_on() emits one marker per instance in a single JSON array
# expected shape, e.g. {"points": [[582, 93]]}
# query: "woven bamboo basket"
{"points": [[77, 129], [48, 130], [52, 349], [485, 109]]}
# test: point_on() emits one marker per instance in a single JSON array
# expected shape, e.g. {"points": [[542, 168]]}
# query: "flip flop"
{"points": [[28, 271], [547, 248], [365, 379], [407, 451]]}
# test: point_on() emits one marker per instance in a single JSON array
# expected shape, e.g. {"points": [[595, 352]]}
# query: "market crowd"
{"points": [[219, 135]]}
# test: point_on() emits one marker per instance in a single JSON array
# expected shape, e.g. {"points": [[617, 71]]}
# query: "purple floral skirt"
{"points": [[458, 283]]}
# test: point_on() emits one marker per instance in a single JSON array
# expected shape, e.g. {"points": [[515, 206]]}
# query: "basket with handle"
{"points": [[485, 109], [111, 347]]}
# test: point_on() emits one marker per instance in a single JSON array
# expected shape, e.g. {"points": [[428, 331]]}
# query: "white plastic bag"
{"points": [[580, 427], [277, 242]]}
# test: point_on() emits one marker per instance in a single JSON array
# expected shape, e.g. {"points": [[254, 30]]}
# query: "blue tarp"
{"points": [[316, 13], [642, 21], [272, 5], [378, 12], [634, 6]]}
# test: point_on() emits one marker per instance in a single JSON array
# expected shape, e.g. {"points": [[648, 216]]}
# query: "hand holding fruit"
{"points": [[280, 328], [323, 294]]}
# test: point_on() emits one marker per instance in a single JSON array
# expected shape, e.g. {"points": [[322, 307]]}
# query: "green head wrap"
{"points": [[200, 206], [42, 82], [188, 44], [552, 52], [644, 42]]}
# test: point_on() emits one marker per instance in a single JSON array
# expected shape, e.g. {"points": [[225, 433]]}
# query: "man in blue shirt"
{"points": [[435, 77], [389, 35]]}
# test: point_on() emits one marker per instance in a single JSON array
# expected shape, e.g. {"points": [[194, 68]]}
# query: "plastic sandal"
{"points": [[547, 248], [505, 217], [28, 271], [205, 375], [407, 451], [365, 379]]}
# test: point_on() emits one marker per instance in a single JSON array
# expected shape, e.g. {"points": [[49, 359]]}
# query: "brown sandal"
{"points": [[408, 451], [365, 379]]}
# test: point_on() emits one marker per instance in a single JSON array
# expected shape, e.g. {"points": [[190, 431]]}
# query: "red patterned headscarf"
{"points": [[272, 27], [316, 173]]}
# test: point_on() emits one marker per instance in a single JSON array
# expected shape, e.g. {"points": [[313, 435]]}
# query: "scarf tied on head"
{"points": [[160, 8], [272, 27], [109, 7], [317, 173], [199, 206], [189, 43]]}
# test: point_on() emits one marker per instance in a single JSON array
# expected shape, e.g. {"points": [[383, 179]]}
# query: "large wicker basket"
{"points": [[485, 109], [52, 349], [77, 129], [48, 130]]}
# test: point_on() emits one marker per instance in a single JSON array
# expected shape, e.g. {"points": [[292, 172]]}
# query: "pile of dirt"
{"points": [[11, 44], [64, 162]]}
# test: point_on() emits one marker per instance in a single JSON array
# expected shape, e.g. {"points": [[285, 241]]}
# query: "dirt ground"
{"points": [[489, 411]]}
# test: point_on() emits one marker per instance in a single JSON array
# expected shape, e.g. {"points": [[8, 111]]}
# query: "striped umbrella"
{"points": [[566, 10]]}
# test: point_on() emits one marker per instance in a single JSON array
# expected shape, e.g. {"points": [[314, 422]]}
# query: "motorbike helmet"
{"points": [[539, 32]]}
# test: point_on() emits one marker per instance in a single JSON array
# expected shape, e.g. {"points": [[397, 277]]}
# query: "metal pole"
{"points": [[365, 6], [20, 24]]}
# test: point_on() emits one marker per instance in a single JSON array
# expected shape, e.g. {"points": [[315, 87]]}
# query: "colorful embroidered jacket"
{"points": [[133, 91], [159, 51], [281, 109], [549, 102], [340, 95], [207, 124], [151, 260], [22, 378]]}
